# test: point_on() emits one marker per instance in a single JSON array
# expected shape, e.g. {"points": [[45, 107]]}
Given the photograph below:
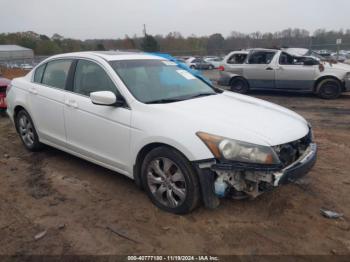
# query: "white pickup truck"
{"points": [[291, 69]]}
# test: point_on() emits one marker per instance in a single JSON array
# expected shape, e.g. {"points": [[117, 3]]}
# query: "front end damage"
{"points": [[241, 180]]}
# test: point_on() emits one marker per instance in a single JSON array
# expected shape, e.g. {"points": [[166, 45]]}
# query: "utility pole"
{"points": [[144, 30], [310, 44], [339, 41]]}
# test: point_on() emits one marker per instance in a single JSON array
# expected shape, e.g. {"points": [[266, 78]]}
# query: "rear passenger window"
{"points": [[237, 59], [261, 57], [56, 73], [90, 77], [38, 76]]}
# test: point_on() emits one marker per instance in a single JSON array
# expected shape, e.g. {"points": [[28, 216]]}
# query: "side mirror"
{"points": [[106, 98]]}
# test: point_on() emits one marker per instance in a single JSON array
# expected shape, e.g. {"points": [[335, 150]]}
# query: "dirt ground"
{"points": [[79, 204]]}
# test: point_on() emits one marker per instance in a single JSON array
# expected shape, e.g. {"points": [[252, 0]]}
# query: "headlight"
{"points": [[239, 151]]}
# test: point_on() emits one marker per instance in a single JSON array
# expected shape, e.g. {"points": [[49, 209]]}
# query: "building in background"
{"points": [[15, 56]]}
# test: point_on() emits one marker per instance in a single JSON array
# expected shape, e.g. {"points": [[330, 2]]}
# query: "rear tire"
{"points": [[27, 132], [329, 89], [239, 85], [170, 181]]}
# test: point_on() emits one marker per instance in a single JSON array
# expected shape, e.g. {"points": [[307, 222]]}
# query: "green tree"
{"points": [[215, 44], [150, 44], [100, 47], [47, 47]]}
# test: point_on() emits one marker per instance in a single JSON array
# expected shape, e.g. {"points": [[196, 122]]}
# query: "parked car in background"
{"points": [[199, 64], [215, 61], [26, 66], [143, 116], [4, 83], [338, 57], [284, 70]]}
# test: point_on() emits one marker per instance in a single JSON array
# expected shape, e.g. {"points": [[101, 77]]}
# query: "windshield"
{"points": [[159, 81]]}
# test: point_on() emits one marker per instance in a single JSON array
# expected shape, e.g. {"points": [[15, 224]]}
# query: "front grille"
{"points": [[290, 152]]}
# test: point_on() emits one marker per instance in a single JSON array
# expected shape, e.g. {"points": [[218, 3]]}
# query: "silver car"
{"points": [[284, 70]]}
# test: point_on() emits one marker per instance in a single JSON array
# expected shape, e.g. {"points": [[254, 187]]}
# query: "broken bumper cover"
{"points": [[280, 176], [274, 176], [299, 168]]}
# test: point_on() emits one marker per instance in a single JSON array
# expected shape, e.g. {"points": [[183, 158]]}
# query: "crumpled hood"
{"points": [[236, 116], [337, 66]]}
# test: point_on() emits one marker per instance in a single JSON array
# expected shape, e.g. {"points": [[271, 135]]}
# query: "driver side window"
{"points": [[90, 77]]}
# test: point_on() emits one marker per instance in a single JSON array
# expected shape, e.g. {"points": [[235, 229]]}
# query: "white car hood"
{"points": [[237, 117]]}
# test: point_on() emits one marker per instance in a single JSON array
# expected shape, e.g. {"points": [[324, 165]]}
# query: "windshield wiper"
{"points": [[177, 99], [163, 101], [199, 95]]}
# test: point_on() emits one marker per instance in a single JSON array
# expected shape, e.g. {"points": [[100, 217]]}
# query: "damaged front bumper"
{"points": [[250, 179]]}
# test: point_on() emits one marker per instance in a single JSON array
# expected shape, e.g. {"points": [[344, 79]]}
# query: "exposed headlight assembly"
{"points": [[234, 150]]}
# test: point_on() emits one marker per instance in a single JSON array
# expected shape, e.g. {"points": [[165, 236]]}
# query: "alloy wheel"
{"points": [[166, 182], [26, 130]]}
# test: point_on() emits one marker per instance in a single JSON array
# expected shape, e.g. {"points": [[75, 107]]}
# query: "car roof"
{"points": [[111, 55]]}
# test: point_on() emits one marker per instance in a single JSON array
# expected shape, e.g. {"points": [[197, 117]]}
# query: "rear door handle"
{"points": [[269, 68], [33, 91]]}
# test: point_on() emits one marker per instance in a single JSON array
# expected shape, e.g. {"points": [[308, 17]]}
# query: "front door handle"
{"points": [[269, 68], [71, 103]]}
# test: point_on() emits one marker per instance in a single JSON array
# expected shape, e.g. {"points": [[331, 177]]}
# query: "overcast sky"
{"points": [[114, 18]]}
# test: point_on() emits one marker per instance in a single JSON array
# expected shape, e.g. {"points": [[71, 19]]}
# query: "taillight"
{"points": [[8, 88], [221, 68]]}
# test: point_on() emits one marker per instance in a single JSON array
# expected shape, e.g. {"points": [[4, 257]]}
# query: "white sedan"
{"points": [[144, 117]]}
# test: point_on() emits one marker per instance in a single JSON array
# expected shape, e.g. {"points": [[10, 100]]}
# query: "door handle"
{"points": [[71, 103], [33, 91], [269, 68], [74, 104]]}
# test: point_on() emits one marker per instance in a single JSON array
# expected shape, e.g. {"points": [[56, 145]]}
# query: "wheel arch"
{"points": [[15, 113], [233, 77], [142, 154], [320, 79]]}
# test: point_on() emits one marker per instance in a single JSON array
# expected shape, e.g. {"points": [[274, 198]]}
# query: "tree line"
{"points": [[176, 44]]}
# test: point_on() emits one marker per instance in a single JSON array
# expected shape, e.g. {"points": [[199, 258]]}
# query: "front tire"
{"points": [[170, 181], [329, 89], [27, 132], [239, 85]]}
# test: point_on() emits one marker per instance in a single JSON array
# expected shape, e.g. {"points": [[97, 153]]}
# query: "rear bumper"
{"points": [[224, 79], [3, 101]]}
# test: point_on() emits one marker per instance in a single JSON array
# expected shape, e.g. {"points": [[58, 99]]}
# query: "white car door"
{"points": [[293, 74], [101, 133], [46, 98]]}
